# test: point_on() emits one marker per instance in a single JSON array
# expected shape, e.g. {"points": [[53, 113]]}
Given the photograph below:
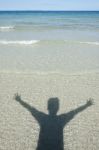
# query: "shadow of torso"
{"points": [[51, 131]]}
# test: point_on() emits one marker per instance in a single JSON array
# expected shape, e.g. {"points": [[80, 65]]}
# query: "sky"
{"points": [[49, 4]]}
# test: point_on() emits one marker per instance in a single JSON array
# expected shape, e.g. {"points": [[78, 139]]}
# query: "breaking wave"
{"points": [[6, 28], [31, 42]]}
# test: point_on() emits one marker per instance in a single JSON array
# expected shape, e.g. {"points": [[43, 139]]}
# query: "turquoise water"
{"points": [[49, 41], [48, 25]]}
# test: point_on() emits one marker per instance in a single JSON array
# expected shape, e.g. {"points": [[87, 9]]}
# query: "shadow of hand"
{"points": [[17, 97], [89, 102]]}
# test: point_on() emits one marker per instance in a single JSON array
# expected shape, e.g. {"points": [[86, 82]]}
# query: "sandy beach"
{"points": [[18, 128], [49, 79]]}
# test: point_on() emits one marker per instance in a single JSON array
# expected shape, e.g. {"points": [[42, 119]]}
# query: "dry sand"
{"points": [[19, 130]]}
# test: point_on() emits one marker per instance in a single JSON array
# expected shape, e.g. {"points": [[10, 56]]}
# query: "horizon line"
{"points": [[42, 10]]}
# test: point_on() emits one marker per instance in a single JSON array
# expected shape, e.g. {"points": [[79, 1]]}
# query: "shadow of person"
{"points": [[52, 125]]}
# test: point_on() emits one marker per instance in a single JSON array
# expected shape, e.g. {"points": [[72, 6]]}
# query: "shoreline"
{"points": [[51, 73]]}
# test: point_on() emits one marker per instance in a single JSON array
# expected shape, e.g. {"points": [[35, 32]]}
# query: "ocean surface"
{"points": [[49, 41]]}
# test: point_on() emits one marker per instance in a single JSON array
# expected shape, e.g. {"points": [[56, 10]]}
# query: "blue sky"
{"points": [[49, 4]]}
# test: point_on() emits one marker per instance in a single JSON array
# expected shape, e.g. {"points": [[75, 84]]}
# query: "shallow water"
{"points": [[49, 41]]}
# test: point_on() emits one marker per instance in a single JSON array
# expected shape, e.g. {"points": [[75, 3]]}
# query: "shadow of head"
{"points": [[53, 106]]}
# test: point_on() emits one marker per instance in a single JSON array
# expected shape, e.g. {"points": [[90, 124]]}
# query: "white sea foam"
{"points": [[90, 43], [81, 42], [31, 42], [6, 28]]}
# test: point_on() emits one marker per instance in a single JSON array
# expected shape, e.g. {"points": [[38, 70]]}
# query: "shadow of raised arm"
{"points": [[65, 118], [83, 107], [37, 114]]}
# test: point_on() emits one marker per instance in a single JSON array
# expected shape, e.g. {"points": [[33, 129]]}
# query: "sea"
{"points": [[49, 41]]}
